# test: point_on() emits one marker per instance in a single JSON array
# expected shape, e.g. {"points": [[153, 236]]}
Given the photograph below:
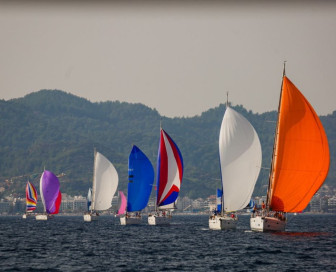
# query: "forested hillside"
{"points": [[59, 131]]}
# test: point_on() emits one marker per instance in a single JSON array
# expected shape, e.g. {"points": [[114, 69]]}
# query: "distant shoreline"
{"points": [[174, 214]]}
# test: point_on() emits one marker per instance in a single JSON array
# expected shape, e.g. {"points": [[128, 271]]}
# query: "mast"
{"points": [[222, 197], [157, 178], [271, 174], [94, 181]]}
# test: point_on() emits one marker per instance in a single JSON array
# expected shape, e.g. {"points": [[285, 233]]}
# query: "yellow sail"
{"points": [[301, 154]]}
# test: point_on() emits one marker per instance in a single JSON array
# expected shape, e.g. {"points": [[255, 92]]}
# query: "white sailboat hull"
{"points": [[132, 220], [265, 223], [42, 217], [218, 222], [88, 217], [27, 215], [154, 219]]}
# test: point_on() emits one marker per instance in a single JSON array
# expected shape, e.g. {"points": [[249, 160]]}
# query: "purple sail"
{"points": [[50, 192]]}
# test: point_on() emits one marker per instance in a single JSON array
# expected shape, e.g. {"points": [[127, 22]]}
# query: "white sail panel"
{"points": [[41, 191], [240, 159], [171, 206], [106, 183]]}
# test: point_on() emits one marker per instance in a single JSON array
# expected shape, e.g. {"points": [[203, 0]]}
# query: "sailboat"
{"points": [[31, 199], [141, 178], [240, 162], [104, 185], [169, 179], [50, 194], [300, 160]]}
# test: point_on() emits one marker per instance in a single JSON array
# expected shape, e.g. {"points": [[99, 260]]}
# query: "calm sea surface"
{"points": [[69, 244]]}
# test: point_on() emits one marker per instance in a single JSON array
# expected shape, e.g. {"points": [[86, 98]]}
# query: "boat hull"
{"points": [[88, 217], [265, 223], [222, 222], [130, 220], [28, 215], [42, 217], [153, 219]]}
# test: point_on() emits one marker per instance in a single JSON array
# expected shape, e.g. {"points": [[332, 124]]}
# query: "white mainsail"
{"points": [[240, 160], [105, 183]]}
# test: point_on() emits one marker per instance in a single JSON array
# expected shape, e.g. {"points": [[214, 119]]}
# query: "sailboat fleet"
{"points": [[299, 166]]}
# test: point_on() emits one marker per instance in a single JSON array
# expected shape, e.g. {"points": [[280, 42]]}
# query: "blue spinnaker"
{"points": [[141, 178]]}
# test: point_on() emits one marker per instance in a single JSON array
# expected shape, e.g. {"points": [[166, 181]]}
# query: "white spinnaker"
{"points": [[173, 171], [240, 159], [106, 183], [89, 195], [171, 206], [41, 191]]}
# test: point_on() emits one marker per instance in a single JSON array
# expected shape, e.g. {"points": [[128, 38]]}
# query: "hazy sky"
{"points": [[178, 58]]}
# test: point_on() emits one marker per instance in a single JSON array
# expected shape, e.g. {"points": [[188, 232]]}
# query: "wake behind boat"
{"points": [[50, 194], [300, 160], [240, 161], [141, 178], [169, 179], [104, 185]]}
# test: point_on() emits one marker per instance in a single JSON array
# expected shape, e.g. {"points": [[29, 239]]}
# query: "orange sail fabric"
{"points": [[301, 160]]}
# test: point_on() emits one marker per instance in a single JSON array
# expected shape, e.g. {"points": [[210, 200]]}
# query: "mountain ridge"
{"points": [[58, 130]]}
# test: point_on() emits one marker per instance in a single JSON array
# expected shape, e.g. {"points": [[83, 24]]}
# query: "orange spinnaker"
{"points": [[301, 161]]}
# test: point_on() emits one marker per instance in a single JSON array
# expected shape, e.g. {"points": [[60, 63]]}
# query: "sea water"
{"points": [[70, 244]]}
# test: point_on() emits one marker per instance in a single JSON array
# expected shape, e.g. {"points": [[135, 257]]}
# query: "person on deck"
{"points": [[263, 206]]}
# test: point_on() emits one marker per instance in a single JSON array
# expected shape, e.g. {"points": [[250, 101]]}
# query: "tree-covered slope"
{"points": [[59, 131]]}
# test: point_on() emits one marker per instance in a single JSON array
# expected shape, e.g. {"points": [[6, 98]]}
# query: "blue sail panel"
{"points": [[141, 178], [219, 200]]}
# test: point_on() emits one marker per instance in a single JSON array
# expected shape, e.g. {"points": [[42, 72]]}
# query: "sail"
{"points": [[301, 154], [169, 170], [219, 200], [240, 160], [50, 192], [123, 203], [251, 205], [141, 178], [89, 199], [31, 197], [170, 206], [105, 182]]}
